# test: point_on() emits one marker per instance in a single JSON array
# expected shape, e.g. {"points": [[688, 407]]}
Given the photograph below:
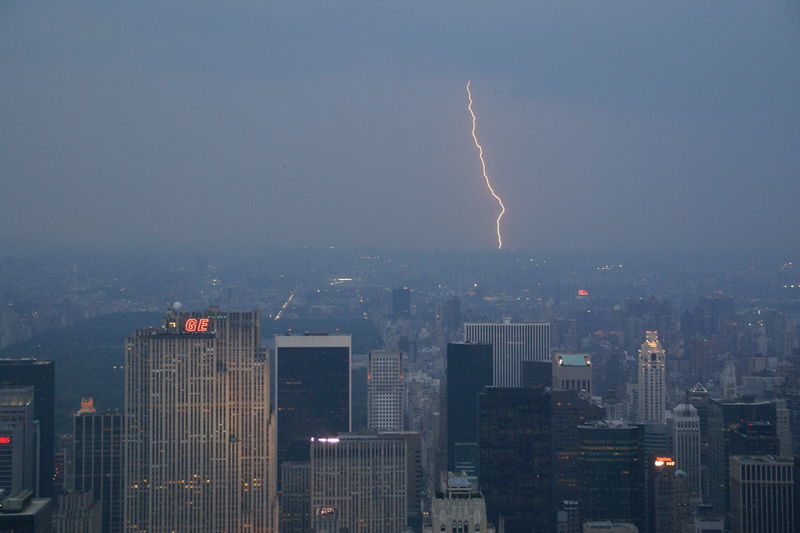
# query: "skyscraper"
{"points": [[685, 433], [452, 319], [78, 512], [669, 496], [295, 494], [611, 476], [652, 381], [572, 371], [762, 494], [385, 391], [568, 411], [197, 445], [313, 391], [359, 483], [96, 462], [401, 301], [724, 420], [12, 457], [537, 374], [41, 376], [511, 344], [469, 371], [18, 440], [460, 504], [515, 471]]}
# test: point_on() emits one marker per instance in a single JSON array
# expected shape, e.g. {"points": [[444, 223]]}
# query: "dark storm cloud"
{"points": [[606, 125]]}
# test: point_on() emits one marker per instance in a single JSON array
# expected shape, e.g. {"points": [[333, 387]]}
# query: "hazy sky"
{"points": [[606, 124]]}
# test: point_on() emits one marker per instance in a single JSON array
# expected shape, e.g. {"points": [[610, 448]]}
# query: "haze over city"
{"points": [[615, 125]]}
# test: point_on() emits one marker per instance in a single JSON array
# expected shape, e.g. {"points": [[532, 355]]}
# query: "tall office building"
{"points": [[12, 457], [401, 301], [568, 411], [359, 482], [572, 371], [537, 374], [685, 436], [762, 494], [312, 394], [469, 371], [669, 496], [197, 444], [728, 381], [515, 471], [652, 381], [295, 494], [385, 391], [755, 438], [460, 507], [611, 476], [41, 376], [724, 420], [96, 461], [18, 440], [78, 512], [452, 319], [511, 344], [700, 399]]}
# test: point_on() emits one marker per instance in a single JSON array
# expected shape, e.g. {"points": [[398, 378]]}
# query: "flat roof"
{"points": [[36, 505], [573, 359]]}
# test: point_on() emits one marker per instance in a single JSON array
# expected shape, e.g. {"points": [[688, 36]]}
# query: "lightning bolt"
{"points": [[483, 168]]}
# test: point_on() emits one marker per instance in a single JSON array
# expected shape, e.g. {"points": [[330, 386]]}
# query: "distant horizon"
{"points": [[233, 255]]}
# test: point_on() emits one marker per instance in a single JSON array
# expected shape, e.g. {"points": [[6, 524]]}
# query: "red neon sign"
{"points": [[195, 325], [5, 440]]}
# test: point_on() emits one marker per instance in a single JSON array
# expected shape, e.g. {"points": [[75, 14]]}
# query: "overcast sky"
{"points": [[606, 124]]}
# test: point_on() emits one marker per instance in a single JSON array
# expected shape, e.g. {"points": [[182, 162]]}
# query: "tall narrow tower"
{"points": [[652, 382], [385, 391], [96, 459], [685, 436], [197, 441]]}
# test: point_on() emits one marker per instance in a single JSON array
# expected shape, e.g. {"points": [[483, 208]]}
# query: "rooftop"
{"points": [[573, 359]]}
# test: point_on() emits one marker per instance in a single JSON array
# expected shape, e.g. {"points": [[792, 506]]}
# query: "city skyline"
{"points": [[411, 267]]}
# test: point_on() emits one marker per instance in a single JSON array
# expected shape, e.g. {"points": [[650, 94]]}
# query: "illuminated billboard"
{"points": [[196, 325]]}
